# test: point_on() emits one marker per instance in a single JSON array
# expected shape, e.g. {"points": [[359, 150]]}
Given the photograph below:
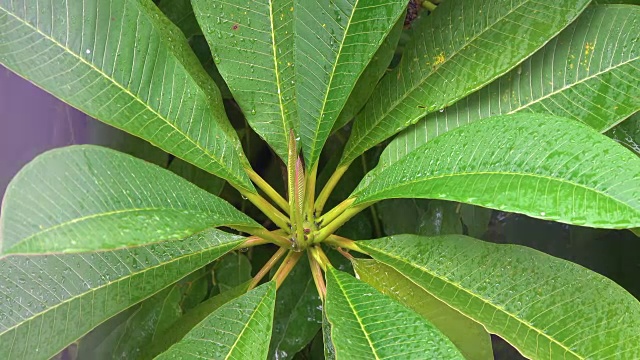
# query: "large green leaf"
{"points": [[546, 307], [154, 316], [50, 300], [366, 324], [628, 133], [370, 76], [590, 72], [468, 336], [187, 322], [97, 198], [252, 45], [239, 330], [539, 165], [458, 49], [334, 42], [124, 63]]}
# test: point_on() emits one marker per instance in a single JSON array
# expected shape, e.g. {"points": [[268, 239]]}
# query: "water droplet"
{"points": [[88, 51], [253, 111]]}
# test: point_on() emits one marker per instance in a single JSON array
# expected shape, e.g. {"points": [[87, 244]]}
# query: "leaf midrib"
{"points": [[486, 301], [246, 325], [423, 80], [355, 313], [579, 82], [125, 90], [109, 283], [333, 71], [492, 173], [276, 70]]}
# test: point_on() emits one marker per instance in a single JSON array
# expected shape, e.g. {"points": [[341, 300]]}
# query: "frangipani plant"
{"points": [[498, 104]]}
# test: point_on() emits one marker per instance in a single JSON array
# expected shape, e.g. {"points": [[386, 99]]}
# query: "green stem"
{"points": [[334, 225], [263, 236], [318, 279], [329, 186], [268, 190], [269, 210], [342, 242], [429, 5], [285, 268], [267, 267], [335, 212]]}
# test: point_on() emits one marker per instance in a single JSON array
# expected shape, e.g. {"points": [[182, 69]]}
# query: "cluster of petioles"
{"points": [[301, 229]]}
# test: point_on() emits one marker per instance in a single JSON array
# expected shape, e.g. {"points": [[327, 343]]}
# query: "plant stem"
{"points": [[374, 213], [342, 242], [329, 186], [428, 5], [318, 279], [269, 210], [263, 236], [268, 190], [335, 212], [320, 257], [345, 254], [287, 265], [267, 267], [310, 193], [339, 221]]}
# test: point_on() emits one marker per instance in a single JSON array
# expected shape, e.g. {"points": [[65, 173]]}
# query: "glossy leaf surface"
{"points": [[96, 198], [471, 339], [589, 72], [370, 76], [188, 321], [334, 43], [459, 48], [252, 46], [536, 165], [546, 307], [240, 329], [123, 62], [50, 300], [366, 324]]}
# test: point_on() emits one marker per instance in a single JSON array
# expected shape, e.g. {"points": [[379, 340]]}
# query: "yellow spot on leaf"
{"points": [[439, 59], [588, 48]]}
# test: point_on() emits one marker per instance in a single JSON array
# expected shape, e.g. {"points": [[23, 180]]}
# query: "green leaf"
{"points": [[297, 316], [231, 271], [368, 325], [370, 76], [239, 329], [50, 300], [181, 14], [476, 219], [97, 198], [201, 49], [536, 165], [627, 133], [334, 42], [252, 45], [456, 50], [193, 317], [589, 73], [468, 336], [546, 307], [155, 315], [124, 63]]}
